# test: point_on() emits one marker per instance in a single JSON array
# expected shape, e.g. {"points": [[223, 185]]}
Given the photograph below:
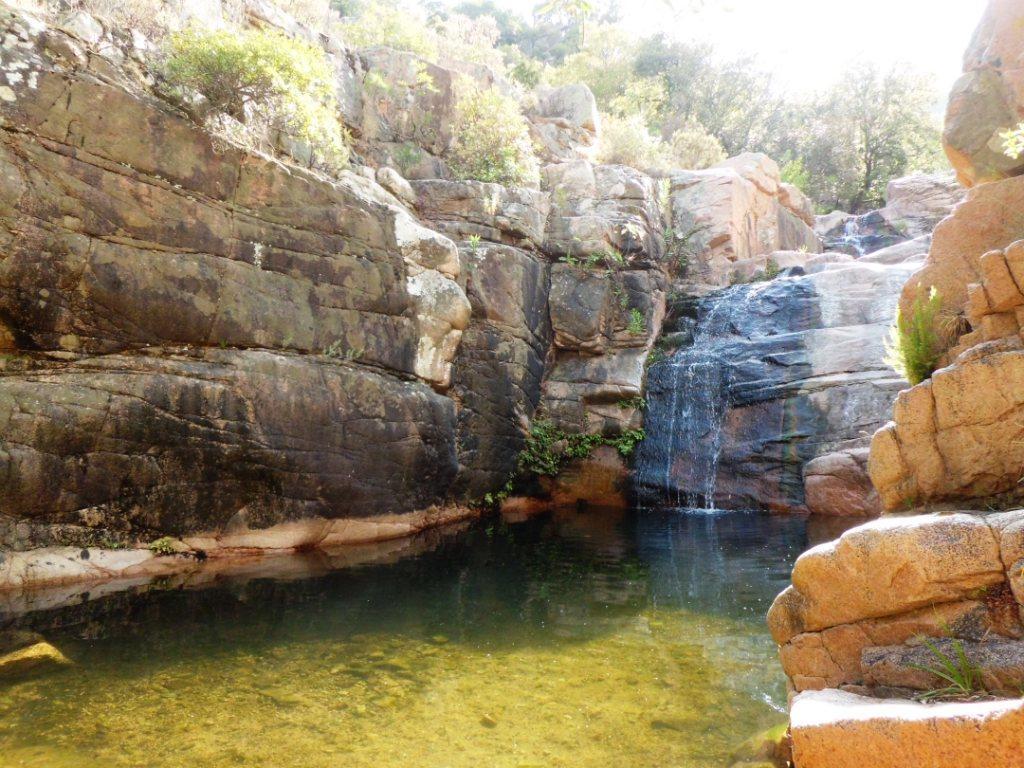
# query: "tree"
{"points": [[734, 101], [577, 10], [852, 140]]}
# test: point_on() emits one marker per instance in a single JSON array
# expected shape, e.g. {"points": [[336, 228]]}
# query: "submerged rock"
{"points": [[32, 659]]}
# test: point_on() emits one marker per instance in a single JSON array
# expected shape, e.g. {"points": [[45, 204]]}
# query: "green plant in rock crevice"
{"points": [[637, 326], [163, 546], [963, 675], [549, 448], [915, 344]]}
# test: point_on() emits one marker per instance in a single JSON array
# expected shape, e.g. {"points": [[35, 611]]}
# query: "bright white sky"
{"points": [[808, 43]]}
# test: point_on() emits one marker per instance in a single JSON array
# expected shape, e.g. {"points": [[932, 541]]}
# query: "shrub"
{"points": [[381, 23], [915, 342], [963, 677], [492, 141], [694, 148], [264, 79], [627, 141], [636, 326], [163, 546]]}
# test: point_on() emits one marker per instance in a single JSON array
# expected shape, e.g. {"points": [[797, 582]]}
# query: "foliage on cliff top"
{"points": [[263, 79], [915, 341], [492, 141]]}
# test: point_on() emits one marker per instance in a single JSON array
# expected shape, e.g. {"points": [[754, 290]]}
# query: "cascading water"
{"points": [[852, 238], [678, 462], [727, 426], [862, 235]]}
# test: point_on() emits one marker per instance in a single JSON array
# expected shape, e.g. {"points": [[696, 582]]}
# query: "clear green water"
{"points": [[577, 640]]}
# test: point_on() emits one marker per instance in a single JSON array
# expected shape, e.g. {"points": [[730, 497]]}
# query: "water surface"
{"points": [[583, 640]]}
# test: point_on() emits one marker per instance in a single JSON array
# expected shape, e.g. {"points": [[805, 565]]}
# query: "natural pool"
{"points": [[578, 640]]}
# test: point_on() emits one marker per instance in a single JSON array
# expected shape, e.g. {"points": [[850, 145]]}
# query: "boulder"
{"points": [[565, 124], [602, 209], [574, 103], [732, 212], [886, 567], [989, 98], [835, 729], [464, 209], [917, 203], [839, 484]]}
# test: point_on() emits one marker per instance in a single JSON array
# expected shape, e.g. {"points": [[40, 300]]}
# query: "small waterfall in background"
{"points": [[687, 401], [853, 238]]}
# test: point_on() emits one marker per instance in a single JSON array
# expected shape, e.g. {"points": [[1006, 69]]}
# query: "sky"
{"points": [[808, 43]]}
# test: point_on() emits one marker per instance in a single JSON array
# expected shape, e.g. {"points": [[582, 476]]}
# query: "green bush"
{"points": [[627, 141], [264, 79], [382, 23], [694, 148], [492, 141], [915, 342]]}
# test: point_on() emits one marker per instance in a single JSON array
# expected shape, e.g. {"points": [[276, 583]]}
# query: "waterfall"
{"points": [[729, 419], [688, 397], [853, 238]]}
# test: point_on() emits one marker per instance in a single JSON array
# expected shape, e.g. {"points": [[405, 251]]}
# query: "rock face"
{"points": [[501, 361], [201, 337], [768, 377], [733, 212], [989, 98], [464, 209], [987, 219], [832, 729], [861, 603], [917, 203], [601, 209], [155, 443]]}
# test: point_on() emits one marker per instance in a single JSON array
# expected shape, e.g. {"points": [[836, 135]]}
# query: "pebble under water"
{"points": [[583, 640]]}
